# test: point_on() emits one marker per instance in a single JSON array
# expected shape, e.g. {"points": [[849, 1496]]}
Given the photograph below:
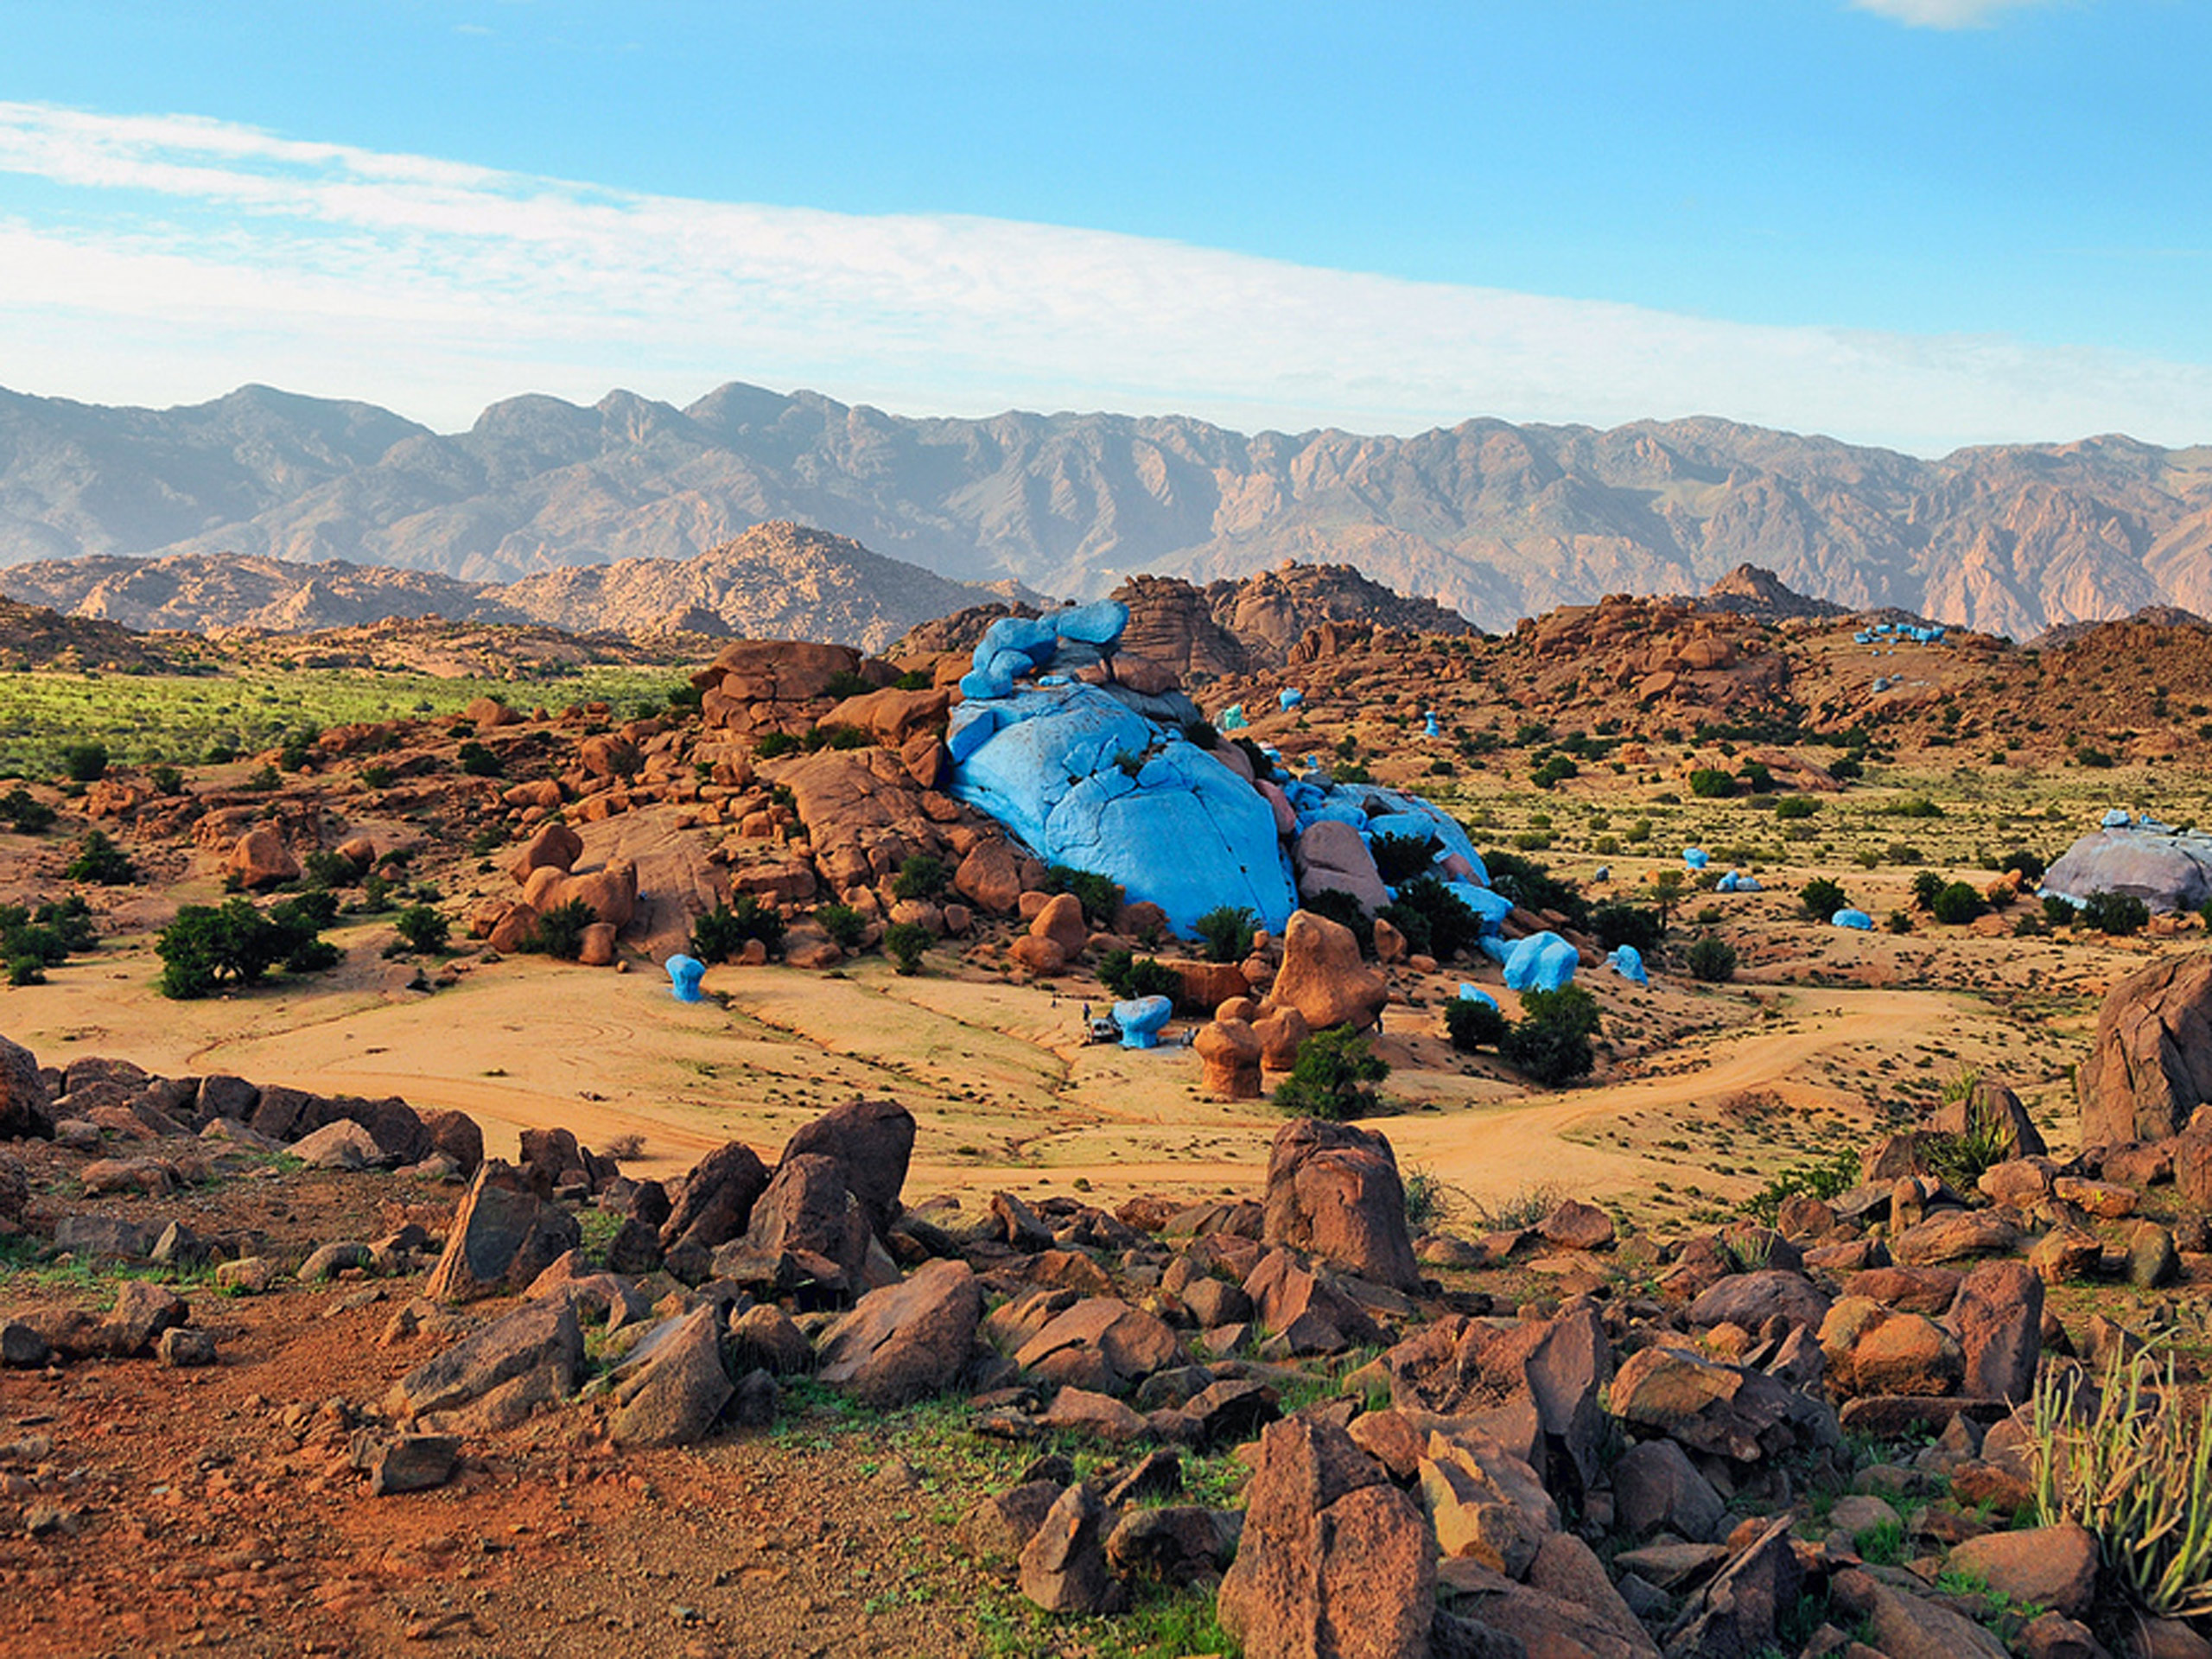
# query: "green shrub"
{"points": [[771, 746], [377, 775], [84, 763], [99, 860], [2029, 866], [1711, 959], [1452, 925], [845, 683], [1826, 1178], [1898, 921], [424, 928], [1551, 1040], [1822, 898], [1227, 932], [722, 933], [903, 942], [1332, 1077], [922, 879], [1913, 806], [33, 941], [1711, 784], [478, 761], [1795, 806], [1957, 904], [837, 735], [1617, 923], [1099, 896], [1401, 858], [1755, 777], [25, 813], [846, 926], [207, 948], [166, 779], [914, 679], [1472, 1025], [2116, 913], [1127, 976], [2064, 912], [1201, 733], [559, 932], [1412, 924], [1925, 886], [1555, 772], [686, 697], [1427, 1199]]}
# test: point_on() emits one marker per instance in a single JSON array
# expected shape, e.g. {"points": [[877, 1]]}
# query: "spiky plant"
{"points": [[2136, 1472]]}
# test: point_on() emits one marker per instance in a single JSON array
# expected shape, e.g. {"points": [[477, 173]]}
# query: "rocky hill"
{"points": [[1495, 520], [775, 581], [36, 636]]}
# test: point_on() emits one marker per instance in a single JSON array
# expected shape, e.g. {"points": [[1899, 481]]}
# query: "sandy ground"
{"points": [[1006, 1095]]}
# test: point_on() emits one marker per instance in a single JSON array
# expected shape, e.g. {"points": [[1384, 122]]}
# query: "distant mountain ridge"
{"points": [[1494, 520], [777, 579]]}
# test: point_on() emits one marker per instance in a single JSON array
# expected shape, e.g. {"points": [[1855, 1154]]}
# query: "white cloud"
{"points": [[1943, 14], [189, 256]]}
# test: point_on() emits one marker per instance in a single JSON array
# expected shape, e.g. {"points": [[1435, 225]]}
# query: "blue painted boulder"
{"points": [[684, 974], [1290, 699], [1858, 920], [1542, 962], [1628, 962], [1082, 781], [1141, 1020], [1695, 858], [1476, 993], [1099, 623]]}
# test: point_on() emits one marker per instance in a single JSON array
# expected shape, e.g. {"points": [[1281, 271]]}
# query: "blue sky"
{"points": [[1923, 223]]}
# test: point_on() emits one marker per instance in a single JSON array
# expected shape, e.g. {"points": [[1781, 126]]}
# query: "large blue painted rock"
{"points": [[1542, 962], [684, 974], [1099, 623], [1140, 1020], [1858, 920], [1628, 962], [1082, 781]]}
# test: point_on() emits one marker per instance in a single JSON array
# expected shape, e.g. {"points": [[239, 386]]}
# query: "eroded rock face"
{"points": [[1323, 977], [503, 1236], [906, 1341], [716, 1203], [1334, 1559], [2152, 1064], [25, 1102], [1333, 1190], [871, 1142]]}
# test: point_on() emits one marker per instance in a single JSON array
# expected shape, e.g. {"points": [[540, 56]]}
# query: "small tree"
{"points": [[1957, 904], [99, 860], [904, 942], [1332, 1076], [1925, 886], [1711, 784], [1551, 1040], [921, 879], [477, 760], [1227, 932], [1472, 1024], [2116, 913], [1127, 976], [1098, 894], [559, 932], [422, 928], [1822, 898], [1711, 959], [84, 763], [721, 932], [846, 926]]}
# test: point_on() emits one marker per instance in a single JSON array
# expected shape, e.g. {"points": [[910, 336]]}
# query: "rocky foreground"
{"points": [[1814, 1437]]}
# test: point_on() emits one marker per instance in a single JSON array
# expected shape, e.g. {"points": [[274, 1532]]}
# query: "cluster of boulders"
{"points": [[545, 871]]}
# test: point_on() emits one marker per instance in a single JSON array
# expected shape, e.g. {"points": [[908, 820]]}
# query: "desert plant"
{"points": [[845, 683], [83, 763], [1452, 926], [1823, 1178], [1532, 887], [903, 942], [205, 947], [846, 926], [1227, 932], [1127, 976], [2134, 1468], [99, 860], [1618, 923], [478, 761], [1957, 904], [24, 813], [1429, 1200], [1551, 1040], [422, 928], [922, 878], [166, 779], [1711, 784], [721, 932], [1472, 1024], [1332, 1076], [1711, 959], [1925, 886], [771, 746], [1098, 894], [1343, 908], [1795, 806], [1401, 858], [2115, 913], [559, 931], [1823, 898]]}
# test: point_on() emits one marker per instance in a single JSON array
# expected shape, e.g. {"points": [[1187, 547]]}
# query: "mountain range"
{"points": [[1492, 519]]}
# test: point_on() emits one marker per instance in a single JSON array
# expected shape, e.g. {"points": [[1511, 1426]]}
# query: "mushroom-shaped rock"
{"points": [[684, 974], [1230, 1052], [1140, 1020], [1323, 977]]}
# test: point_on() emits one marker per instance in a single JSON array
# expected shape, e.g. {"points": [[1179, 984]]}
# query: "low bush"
{"points": [[1711, 784], [1551, 1040], [846, 926], [1617, 923], [723, 931], [904, 943], [1957, 904], [1822, 898], [478, 761], [100, 862], [922, 879], [1452, 926], [1227, 932], [1127, 976], [424, 928], [1343, 908], [24, 813], [1099, 896], [1711, 959], [2116, 913], [1471, 1024], [1401, 858], [84, 763], [1332, 1077], [559, 932]]}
